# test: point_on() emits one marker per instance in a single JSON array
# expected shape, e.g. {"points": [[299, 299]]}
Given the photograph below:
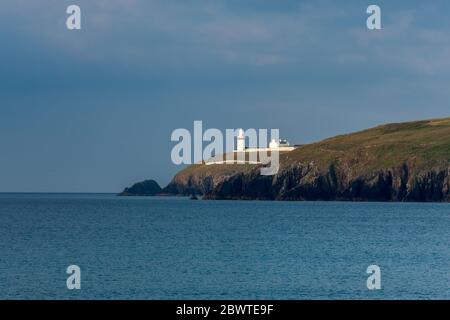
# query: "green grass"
{"points": [[424, 142]]}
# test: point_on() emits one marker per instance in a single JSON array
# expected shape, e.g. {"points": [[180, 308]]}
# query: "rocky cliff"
{"points": [[144, 188], [395, 162]]}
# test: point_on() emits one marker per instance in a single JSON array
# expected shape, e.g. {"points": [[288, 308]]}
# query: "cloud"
{"points": [[153, 37], [268, 60]]}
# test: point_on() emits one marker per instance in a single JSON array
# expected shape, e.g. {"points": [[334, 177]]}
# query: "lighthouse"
{"points": [[252, 153], [241, 140], [274, 144]]}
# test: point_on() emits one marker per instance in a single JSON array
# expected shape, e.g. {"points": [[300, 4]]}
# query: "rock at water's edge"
{"points": [[144, 188]]}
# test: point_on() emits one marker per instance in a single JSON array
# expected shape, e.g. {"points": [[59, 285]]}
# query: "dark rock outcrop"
{"points": [[144, 188]]}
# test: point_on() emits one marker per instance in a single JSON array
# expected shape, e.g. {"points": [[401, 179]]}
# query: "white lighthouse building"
{"points": [[241, 140], [280, 145], [250, 155]]}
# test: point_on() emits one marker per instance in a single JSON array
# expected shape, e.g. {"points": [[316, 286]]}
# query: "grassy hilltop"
{"points": [[426, 142]]}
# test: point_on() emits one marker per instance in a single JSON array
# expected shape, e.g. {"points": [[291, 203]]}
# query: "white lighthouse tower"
{"points": [[274, 144], [241, 140]]}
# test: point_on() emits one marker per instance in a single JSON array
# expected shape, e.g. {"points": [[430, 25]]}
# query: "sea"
{"points": [[177, 248]]}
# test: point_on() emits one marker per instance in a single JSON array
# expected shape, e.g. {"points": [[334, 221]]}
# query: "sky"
{"points": [[92, 110]]}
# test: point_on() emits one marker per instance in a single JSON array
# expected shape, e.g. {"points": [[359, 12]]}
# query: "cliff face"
{"points": [[396, 162], [308, 182], [202, 179]]}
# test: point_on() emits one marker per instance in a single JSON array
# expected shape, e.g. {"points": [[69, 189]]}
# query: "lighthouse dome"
{"points": [[273, 144]]}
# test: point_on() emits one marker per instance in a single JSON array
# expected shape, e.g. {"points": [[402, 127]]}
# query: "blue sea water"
{"points": [[175, 248]]}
